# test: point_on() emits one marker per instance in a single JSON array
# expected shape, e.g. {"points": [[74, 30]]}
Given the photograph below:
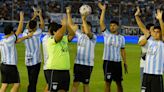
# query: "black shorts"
{"points": [[59, 80], [82, 73], [9, 74], [152, 83], [112, 71], [47, 75]]}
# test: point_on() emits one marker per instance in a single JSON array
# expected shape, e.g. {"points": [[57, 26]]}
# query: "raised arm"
{"points": [[86, 27], [25, 37], [140, 24], [143, 41], [60, 33], [71, 26], [20, 26], [41, 19], [33, 17], [102, 17], [159, 17]]}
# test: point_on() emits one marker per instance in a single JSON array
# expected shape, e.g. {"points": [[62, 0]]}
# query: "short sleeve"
{"points": [[78, 33], [38, 32], [123, 42], [141, 38], [106, 32], [10, 40], [94, 38], [25, 32], [147, 44]]}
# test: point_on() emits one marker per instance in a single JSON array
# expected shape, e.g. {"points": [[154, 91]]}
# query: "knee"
{"points": [[107, 84], [86, 85], [3, 87], [119, 84], [16, 85], [75, 84]]}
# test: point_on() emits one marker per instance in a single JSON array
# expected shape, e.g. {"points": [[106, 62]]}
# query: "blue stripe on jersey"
{"points": [[154, 60], [105, 49], [9, 54], [160, 59], [79, 57], [6, 54], [89, 53], [33, 48], [155, 64], [8, 50], [85, 51], [112, 46]]}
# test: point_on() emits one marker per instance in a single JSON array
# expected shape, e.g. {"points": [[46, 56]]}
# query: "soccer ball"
{"points": [[85, 9]]}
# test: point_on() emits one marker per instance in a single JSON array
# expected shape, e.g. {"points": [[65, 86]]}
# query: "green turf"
{"points": [[131, 81]]}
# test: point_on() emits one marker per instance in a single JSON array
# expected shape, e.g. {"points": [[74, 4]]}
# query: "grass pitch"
{"points": [[131, 82]]}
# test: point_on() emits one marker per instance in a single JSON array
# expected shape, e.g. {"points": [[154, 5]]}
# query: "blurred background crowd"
{"points": [[120, 10]]}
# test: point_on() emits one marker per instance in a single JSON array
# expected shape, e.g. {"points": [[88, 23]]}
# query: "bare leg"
{"points": [[3, 87], [15, 87], [46, 88], [107, 86], [75, 86], [119, 86], [85, 87]]}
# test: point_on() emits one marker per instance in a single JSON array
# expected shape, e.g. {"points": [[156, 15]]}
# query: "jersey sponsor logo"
{"points": [[82, 41], [114, 42], [152, 49]]}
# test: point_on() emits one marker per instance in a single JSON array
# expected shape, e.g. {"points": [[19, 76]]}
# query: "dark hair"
{"points": [[8, 29], [32, 24], [149, 25], [53, 27], [89, 23], [114, 22], [157, 27], [163, 16]]}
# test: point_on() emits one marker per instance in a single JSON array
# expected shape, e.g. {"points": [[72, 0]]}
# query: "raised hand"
{"points": [[74, 27], [138, 12], [102, 7], [84, 16], [39, 12], [30, 34], [64, 21], [68, 9], [159, 14], [21, 15]]}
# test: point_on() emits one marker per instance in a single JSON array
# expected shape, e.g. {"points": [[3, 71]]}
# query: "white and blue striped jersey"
{"points": [[44, 44], [32, 53], [143, 51], [85, 49], [154, 57], [112, 46], [8, 50]]}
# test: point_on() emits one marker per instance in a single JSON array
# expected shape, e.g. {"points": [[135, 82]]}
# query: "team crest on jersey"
{"points": [[54, 85]]}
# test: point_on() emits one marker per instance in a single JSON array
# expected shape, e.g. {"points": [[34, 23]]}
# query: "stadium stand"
{"points": [[121, 10]]}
